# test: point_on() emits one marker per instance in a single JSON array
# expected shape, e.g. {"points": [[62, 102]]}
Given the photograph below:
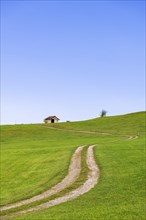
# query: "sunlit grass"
{"points": [[34, 158]]}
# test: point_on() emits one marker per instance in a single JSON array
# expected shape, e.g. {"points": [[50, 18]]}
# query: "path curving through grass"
{"points": [[73, 174], [92, 179]]}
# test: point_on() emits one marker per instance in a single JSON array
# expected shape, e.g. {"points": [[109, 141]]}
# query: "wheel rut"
{"points": [[75, 167], [73, 174]]}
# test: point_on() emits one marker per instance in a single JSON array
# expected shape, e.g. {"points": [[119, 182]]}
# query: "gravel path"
{"points": [[91, 181], [73, 174]]}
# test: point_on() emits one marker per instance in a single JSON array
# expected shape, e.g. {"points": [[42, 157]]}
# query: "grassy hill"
{"points": [[35, 157], [129, 124]]}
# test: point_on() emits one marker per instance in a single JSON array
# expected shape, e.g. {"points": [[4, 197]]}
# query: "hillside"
{"points": [[36, 157], [129, 124]]}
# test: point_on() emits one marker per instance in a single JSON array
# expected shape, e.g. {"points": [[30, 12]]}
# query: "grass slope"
{"points": [[34, 158], [129, 124]]}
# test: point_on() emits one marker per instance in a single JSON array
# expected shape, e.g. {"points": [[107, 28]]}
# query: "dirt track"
{"points": [[73, 174], [91, 181]]}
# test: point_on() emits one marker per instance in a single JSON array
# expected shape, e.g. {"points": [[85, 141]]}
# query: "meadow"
{"points": [[36, 157]]}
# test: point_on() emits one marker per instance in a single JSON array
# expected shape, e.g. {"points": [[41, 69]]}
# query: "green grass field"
{"points": [[34, 158]]}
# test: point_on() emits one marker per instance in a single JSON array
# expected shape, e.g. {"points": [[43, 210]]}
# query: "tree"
{"points": [[103, 113]]}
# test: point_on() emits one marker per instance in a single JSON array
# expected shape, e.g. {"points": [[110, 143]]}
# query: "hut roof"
{"points": [[52, 117]]}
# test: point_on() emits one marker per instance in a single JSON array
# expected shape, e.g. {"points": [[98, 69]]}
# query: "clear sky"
{"points": [[71, 59]]}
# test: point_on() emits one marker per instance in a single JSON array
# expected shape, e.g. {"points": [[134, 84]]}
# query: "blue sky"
{"points": [[71, 59]]}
